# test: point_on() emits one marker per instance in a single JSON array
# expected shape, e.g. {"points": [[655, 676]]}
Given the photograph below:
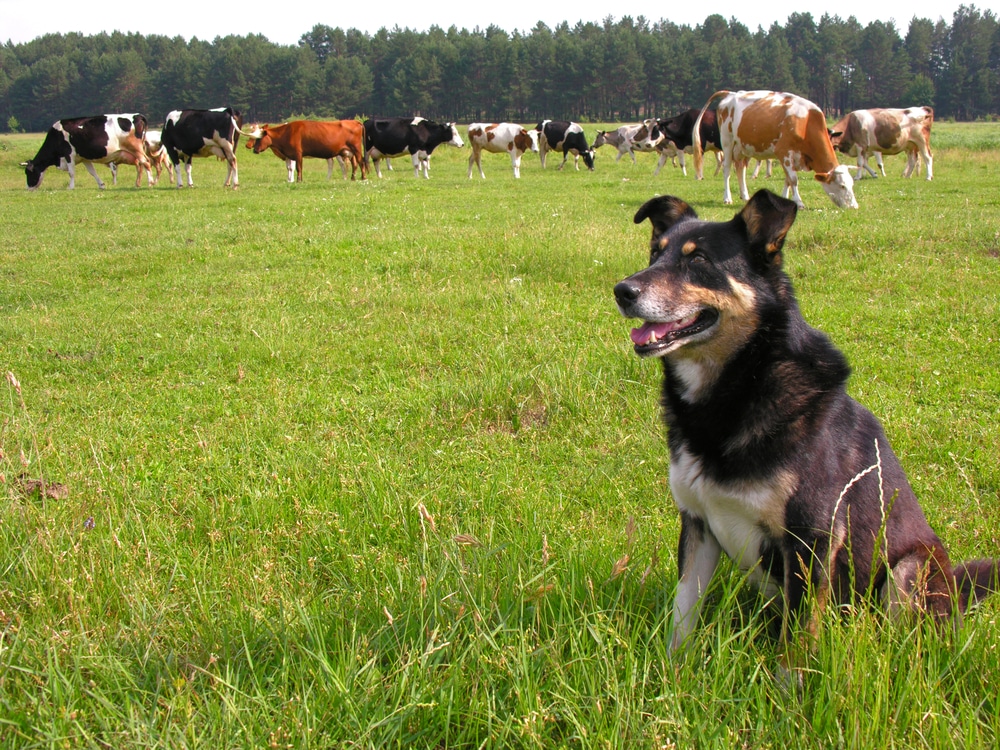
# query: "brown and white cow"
{"points": [[763, 124], [499, 138], [864, 132], [293, 141]]}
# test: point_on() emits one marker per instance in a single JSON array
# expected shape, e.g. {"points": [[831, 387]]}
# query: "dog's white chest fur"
{"points": [[741, 515]]}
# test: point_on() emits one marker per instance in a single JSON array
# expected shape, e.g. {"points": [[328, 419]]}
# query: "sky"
{"points": [[21, 21]]}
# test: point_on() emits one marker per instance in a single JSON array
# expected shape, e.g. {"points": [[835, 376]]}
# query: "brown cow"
{"points": [[774, 124], [298, 139], [886, 131]]}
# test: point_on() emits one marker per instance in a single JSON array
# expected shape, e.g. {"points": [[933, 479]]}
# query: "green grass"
{"points": [[352, 464]]}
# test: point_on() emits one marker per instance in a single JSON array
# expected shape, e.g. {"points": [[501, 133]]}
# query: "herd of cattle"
{"points": [[761, 125]]}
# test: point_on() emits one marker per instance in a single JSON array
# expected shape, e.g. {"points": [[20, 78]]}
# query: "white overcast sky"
{"points": [[22, 21]]}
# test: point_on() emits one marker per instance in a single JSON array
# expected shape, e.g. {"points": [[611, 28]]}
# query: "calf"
{"points": [[102, 139], [567, 137], [498, 138], [763, 124], [298, 139], [203, 132], [395, 136], [886, 131]]}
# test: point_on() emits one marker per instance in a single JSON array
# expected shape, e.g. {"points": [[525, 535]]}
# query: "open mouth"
{"points": [[652, 338]]}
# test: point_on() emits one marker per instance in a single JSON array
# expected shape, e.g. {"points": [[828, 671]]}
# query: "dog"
{"points": [[771, 461]]}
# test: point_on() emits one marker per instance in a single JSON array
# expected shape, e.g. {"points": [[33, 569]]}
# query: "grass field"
{"points": [[372, 464]]}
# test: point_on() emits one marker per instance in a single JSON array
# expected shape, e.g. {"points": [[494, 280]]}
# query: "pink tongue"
{"points": [[644, 333]]}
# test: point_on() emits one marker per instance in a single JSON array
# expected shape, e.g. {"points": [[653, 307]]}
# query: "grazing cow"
{"points": [[203, 132], [886, 131], [298, 139], [567, 137], [627, 139], [102, 139], [498, 138], [389, 137], [762, 124]]}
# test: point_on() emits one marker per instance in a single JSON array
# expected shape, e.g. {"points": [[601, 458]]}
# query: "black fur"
{"points": [[771, 460]]}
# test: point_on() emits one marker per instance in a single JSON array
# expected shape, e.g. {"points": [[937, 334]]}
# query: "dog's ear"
{"points": [[768, 217], [663, 212]]}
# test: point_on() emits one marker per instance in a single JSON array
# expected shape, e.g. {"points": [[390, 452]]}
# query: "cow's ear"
{"points": [[834, 133], [767, 218]]}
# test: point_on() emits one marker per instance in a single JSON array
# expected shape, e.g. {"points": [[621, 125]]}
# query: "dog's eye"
{"points": [[697, 257]]}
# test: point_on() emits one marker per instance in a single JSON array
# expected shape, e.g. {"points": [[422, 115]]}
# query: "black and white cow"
{"points": [[387, 137], [202, 132], [567, 137], [678, 131], [102, 139]]}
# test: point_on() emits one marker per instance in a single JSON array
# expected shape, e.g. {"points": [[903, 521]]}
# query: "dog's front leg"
{"points": [[697, 558]]}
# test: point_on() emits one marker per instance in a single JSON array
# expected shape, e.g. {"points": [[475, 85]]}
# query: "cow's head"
{"points": [[456, 139], [588, 158], [837, 138], [258, 138], [839, 185], [533, 136], [33, 174]]}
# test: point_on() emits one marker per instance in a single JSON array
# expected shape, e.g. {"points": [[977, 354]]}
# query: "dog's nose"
{"points": [[627, 292]]}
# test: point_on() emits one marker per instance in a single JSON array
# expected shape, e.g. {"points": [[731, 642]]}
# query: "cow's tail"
{"points": [[696, 131]]}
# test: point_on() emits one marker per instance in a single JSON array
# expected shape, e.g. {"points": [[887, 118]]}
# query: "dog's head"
{"points": [[706, 281]]}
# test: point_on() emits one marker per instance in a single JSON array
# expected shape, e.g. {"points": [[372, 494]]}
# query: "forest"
{"points": [[592, 72]]}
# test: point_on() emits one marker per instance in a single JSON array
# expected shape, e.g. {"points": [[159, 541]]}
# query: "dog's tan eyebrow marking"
{"points": [[689, 247], [663, 242]]}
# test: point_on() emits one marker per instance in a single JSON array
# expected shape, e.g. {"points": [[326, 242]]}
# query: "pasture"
{"points": [[372, 464]]}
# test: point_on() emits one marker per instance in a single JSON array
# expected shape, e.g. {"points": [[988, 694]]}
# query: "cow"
{"points": [[498, 138], [763, 124], [567, 137], [203, 132], [389, 137], [886, 131], [295, 140], [101, 139], [678, 131], [627, 139], [156, 154]]}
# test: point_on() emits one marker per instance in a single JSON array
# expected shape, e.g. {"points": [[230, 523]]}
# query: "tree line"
{"points": [[592, 72]]}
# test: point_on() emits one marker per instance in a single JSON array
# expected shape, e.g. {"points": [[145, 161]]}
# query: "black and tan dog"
{"points": [[771, 461]]}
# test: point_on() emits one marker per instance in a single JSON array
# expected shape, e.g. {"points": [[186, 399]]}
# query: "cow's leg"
{"points": [[925, 152], [660, 163], [93, 173], [698, 556], [727, 168], [187, 171], [879, 163], [290, 167], [741, 176], [718, 164], [114, 173], [298, 169], [515, 157], [684, 169], [864, 163], [791, 185], [543, 149], [565, 157]]}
